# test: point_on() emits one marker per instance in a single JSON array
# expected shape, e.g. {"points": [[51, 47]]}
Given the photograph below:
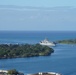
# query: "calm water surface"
{"points": [[63, 60]]}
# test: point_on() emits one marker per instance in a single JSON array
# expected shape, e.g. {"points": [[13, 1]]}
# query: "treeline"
{"points": [[25, 50], [71, 41]]}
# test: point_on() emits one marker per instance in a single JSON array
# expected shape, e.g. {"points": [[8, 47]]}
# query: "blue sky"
{"points": [[39, 3], [61, 15]]}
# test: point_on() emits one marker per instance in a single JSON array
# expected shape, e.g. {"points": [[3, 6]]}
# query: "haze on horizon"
{"points": [[38, 15]]}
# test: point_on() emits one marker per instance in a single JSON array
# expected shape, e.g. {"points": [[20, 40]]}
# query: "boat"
{"points": [[46, 42]]}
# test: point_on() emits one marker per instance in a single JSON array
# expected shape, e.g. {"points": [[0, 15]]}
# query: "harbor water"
{"points": [[63, 60]]}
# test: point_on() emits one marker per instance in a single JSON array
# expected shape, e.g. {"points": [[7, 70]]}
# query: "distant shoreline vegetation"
{"points": [[70, 41], [23, 50]]}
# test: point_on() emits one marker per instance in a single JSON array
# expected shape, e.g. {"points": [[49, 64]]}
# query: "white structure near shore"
{"points": [[5, 71], [48, 73]]}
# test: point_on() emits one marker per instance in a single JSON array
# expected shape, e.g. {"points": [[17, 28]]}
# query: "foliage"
{"points": [[23, 50], [71, 41], [13, 72]]}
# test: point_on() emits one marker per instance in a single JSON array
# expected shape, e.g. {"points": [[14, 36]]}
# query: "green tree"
{"points": [[13, 72]]}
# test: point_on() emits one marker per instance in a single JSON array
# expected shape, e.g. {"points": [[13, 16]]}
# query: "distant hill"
{"points": [[70, 41]]}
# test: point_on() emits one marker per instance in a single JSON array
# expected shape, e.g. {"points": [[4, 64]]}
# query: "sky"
{"points": [[39, 3], [38, 15]]}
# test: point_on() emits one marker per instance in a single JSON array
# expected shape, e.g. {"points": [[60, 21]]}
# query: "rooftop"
{"points": [[48, 73]]}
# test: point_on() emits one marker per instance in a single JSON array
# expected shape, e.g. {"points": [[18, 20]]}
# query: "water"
{"points": [[63, 60], [34, 36]]}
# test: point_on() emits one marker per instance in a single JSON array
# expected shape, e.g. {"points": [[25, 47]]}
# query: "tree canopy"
{"points": [[23, 50], [70, 41], [13, 72]]}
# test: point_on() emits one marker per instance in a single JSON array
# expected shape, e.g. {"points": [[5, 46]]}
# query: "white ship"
{"points": [[47, 43]]}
